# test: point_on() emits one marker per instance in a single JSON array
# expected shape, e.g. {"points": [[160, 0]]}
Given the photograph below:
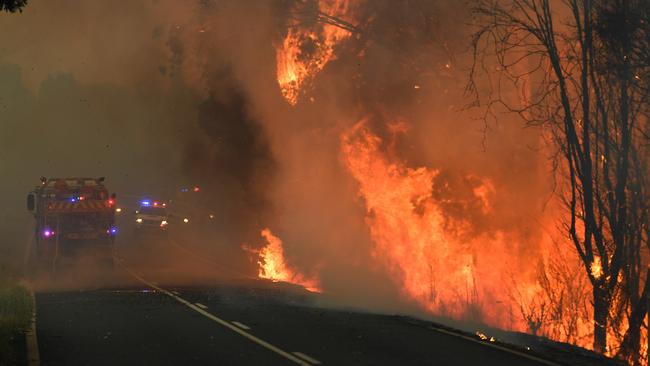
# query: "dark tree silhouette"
{"points": [[12, 5], [583, 68]]}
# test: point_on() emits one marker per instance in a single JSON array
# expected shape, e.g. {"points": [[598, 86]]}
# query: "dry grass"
{"points": [[15, 317]]}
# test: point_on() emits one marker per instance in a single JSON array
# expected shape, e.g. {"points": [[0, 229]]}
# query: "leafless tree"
{"points": [[12, 5], [584, 67], [559, 308]]}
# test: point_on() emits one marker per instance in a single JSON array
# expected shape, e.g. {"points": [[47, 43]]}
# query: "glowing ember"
{"points": [[596, 268], [274, 267], [482, 336], [305, 51]]}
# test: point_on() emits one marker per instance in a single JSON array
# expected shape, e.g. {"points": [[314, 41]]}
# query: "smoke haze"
{"points": [[156, 94]]}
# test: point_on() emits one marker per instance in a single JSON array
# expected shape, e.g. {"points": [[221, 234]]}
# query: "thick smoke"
{"points": [[81, 94], [231, 159], [189, 91], [406, 69]]}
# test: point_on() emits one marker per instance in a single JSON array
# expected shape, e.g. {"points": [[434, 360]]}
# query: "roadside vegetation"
{"points": [[15, 300], [15, 317]]}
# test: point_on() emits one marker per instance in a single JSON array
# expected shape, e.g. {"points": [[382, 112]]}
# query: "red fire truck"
{"points": [[73, 216]]}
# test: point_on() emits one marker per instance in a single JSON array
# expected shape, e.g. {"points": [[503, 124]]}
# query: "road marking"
{"points": [[242, 326], [501, 348], [33, 355], [200, 305], [175, 293], [311, 360], [218, 320]]}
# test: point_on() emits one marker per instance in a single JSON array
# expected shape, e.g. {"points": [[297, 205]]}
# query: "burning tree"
{"points": [[313, 32], [582, 70]]}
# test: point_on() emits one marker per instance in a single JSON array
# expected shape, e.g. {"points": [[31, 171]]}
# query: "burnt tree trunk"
{"points": [[601, 309]]}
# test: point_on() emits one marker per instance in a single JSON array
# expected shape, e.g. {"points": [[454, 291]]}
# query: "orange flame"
{"points": [[596, 268], [453, 274], [305, 52], [273, 266], [422, 248]]}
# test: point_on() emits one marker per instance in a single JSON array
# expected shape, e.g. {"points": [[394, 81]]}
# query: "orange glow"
{"points": [[296, 67], [427, 253], [437, 260], [437, 263], [596, 268], [273, 266]]}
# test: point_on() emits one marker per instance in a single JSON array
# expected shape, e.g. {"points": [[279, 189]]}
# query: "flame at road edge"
{"points": [[273, 265]]}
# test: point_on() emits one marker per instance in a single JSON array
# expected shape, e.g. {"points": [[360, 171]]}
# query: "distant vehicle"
{"points": [[72, 215], [152, 216]]}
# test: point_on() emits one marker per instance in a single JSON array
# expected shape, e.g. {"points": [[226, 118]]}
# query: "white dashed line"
{"points": [[222, 322], [200, 305], [242, 326], [311, 360]]}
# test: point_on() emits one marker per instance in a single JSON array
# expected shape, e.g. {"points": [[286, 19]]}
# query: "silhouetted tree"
{"points": [[12, 5], [584, 69]]}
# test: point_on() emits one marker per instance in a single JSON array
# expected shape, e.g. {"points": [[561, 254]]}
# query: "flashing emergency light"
{"points": [[48, 233], [73, 199], [81, 198], [111, 202], [184, 189], [155, 203], [196, 189], [112, 230], [145, 203]]}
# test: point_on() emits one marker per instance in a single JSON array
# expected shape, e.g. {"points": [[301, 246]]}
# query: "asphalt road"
{"points": [[142, 312]]}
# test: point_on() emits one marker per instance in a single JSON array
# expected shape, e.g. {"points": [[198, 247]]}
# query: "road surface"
{"points": [[143, 312]]}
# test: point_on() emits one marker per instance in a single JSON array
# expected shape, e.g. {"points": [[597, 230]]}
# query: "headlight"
{"points": [[186, 220], [163, 223], [118, 210], [139, 221]]}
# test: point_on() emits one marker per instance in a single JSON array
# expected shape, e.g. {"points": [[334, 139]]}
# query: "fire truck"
{"points": [[73, 216]]}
